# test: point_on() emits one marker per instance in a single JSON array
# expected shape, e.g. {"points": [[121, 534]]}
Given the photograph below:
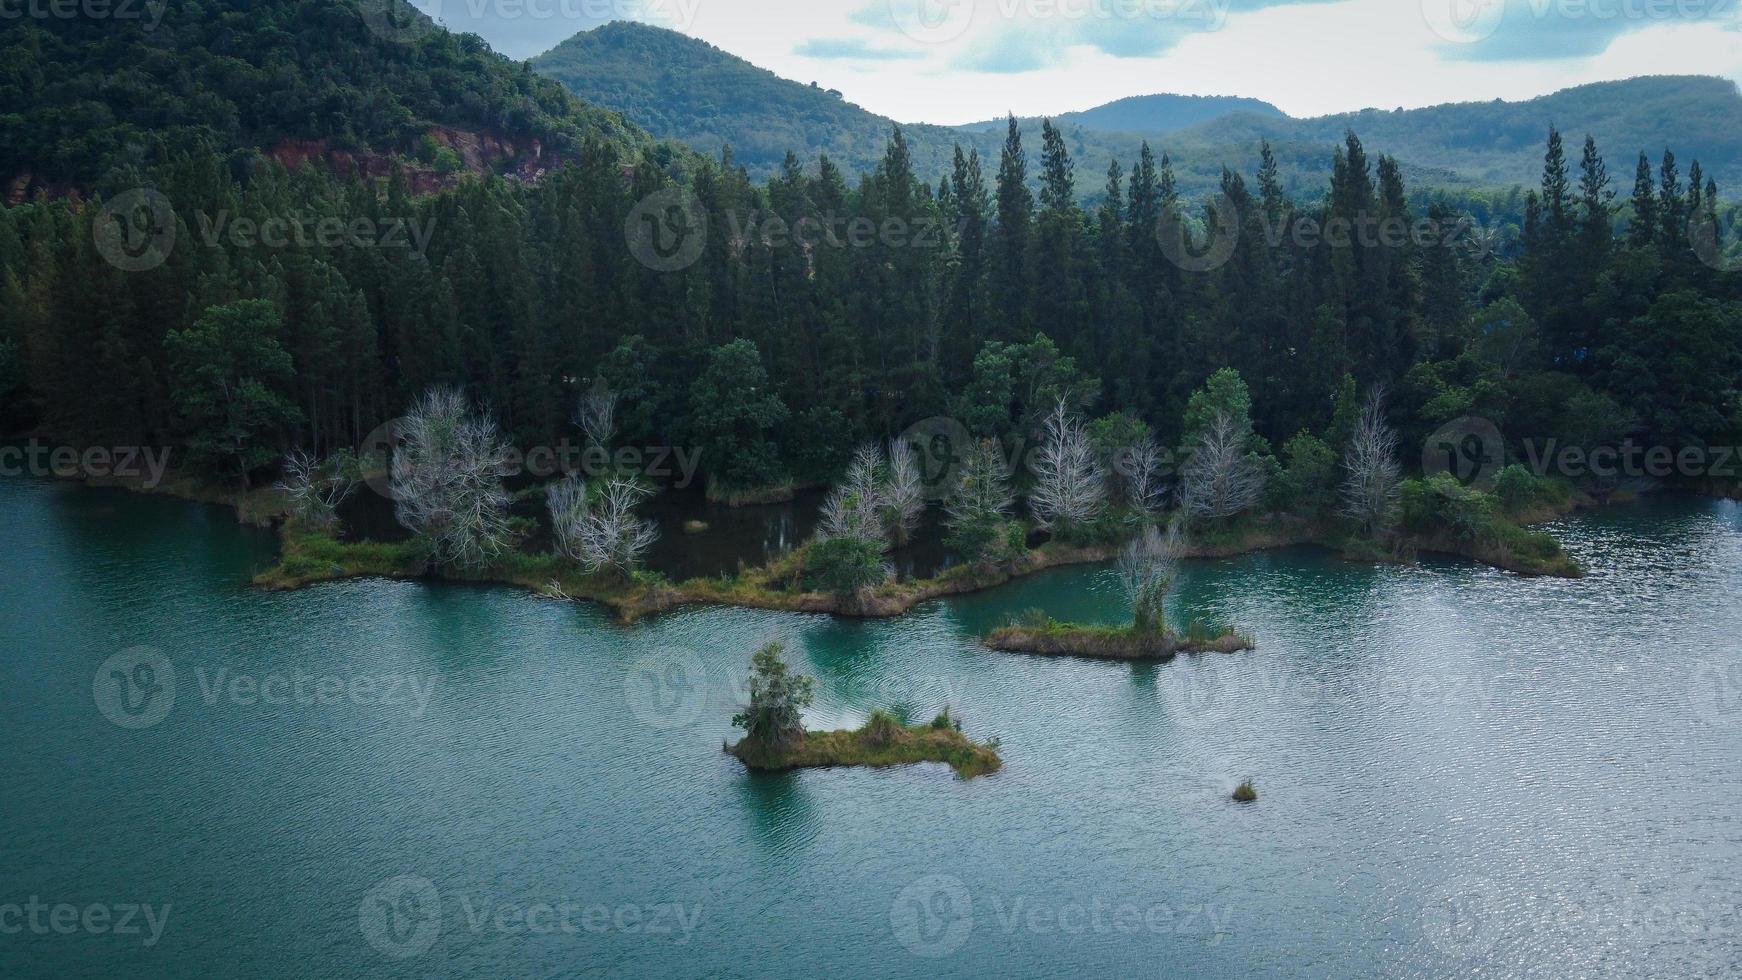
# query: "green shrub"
{"points": [[843, 566], [1307, 485], [1440, 504], [1521, 490]]}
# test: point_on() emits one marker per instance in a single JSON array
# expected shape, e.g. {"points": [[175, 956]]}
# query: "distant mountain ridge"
{"points": [[1163, 113], [687, 90]]}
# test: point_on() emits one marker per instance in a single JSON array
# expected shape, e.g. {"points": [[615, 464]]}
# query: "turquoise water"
{"points": [[1460, 772]]}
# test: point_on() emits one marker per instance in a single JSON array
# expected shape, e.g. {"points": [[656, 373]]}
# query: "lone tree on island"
{"points": [[778, 698]]}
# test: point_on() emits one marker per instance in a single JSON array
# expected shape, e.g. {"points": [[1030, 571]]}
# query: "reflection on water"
{"points": [[736, 537], [1461, 772]]}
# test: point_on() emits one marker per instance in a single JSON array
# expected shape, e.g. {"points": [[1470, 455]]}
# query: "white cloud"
{"points": [[1309, 57]]}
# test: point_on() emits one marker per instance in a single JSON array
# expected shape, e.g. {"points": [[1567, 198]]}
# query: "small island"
{"points": [[1148, 568], [775, 738]]}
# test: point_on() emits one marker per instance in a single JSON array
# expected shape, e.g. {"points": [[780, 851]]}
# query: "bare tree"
{"points": [[979, 502], [904, 493], [1144, 467], [1148, 567], [316, 488], [1372, 475], [1221, 479], [982, 489], [598, 417], [1070, 487], [854, 509], [601, 534], [447, 480]]}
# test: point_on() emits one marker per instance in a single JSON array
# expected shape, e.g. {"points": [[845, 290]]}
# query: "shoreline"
{"points": [[307, 559]]}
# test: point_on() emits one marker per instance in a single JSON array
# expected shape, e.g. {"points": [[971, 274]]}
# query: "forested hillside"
{"points": [[684, 89], [1496, 143], [773, 355], [80, 96]]}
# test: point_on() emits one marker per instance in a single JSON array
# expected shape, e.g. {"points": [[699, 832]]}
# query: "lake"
{"points": [[1460, 772]]}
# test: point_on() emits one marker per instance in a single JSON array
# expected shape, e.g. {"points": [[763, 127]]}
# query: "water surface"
{"points": [[1461, 772]]}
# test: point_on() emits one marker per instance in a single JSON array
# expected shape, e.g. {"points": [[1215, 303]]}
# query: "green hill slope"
{"points": [[684, 89], [296, 78]]}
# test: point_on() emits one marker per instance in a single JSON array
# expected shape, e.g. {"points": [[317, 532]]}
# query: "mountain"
{"points": [[685, 89], [337, 80], [1501, 142], [1149, 114], [688, 90]]}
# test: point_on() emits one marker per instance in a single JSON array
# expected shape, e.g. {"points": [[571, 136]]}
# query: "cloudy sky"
{"points": [[954, 61]]}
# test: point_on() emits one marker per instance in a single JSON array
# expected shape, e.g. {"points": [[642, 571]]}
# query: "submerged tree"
{"points": [[1221, 479], [447, 480], [904, 492], [316, 488], [855, 508], [1070, 487], [778, 697], [1373, 477], [598, 417], [603, 533], [1148, 567], [847, 556]]}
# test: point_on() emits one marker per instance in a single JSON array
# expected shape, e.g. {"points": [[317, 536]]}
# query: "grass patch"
{"points": [[1035, 632], [883, 742], [1245, 793], [308, 555]]}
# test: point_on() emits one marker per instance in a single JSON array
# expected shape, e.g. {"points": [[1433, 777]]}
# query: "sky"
{"points": [[957, 61]]}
